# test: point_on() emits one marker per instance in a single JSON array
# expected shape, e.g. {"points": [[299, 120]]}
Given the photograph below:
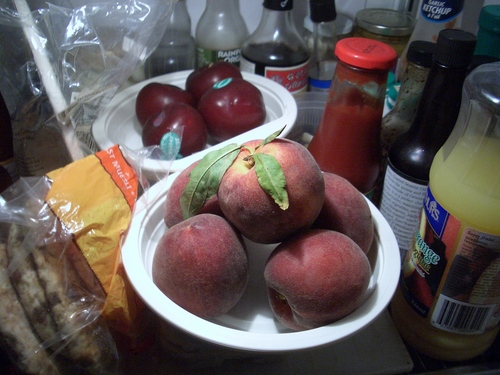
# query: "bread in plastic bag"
{"points": [[60, 267]]}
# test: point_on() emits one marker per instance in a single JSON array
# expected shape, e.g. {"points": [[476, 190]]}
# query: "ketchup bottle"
{"points": [[347, 141]]}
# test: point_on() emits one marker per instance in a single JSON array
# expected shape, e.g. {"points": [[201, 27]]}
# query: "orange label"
{"points": [[121, 172]]}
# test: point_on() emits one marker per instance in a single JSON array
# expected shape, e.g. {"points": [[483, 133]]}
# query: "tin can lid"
{"points": [[386, 22], [366, 53]]}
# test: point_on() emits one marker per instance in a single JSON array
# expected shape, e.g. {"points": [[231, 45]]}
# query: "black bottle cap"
{"points": [[322, 10], [420, 52], [278, 4], [455, 48]]}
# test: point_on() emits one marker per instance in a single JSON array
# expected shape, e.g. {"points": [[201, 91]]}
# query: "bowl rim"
{"points": [[214, 333], [280, 93]]}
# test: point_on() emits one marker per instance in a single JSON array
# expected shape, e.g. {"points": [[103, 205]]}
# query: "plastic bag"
{"points": [[50, 312], [67, 303], [62, 62]]}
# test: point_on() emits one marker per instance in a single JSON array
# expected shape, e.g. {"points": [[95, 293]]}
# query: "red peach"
{"points": [[346, 210], [172, 207], [253, 211], [201, 264], [315, 278]]}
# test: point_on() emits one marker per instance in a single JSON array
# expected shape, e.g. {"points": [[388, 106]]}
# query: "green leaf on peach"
{"points": [[205, 178], [271, 137], [271, 178]]}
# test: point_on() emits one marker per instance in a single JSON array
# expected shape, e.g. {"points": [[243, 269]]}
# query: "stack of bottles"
{"points": [[410, 155], [448, 300]]}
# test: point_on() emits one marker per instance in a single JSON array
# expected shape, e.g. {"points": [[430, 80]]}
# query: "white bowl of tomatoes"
{"points": [[118, 124]]}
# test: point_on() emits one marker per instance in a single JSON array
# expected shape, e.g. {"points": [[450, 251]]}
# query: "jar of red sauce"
{"points": [[347, 141]]}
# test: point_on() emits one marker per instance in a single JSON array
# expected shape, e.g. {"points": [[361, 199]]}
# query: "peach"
{"points": [[201, 264], [315, 278], [172, 207], [253, 211], [346, 210]]}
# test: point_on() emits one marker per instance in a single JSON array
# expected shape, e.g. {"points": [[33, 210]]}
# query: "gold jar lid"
{"points": [[385, 22]]}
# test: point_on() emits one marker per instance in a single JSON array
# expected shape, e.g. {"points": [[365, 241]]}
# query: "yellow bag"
{"points": [[94, 198]]}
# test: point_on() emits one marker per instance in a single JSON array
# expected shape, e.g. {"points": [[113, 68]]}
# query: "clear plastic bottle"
{"points": [[220, 33], [276, 50], [347, 141], [321, 44], [176, 50], [411, 154], [447, 305], [433, 16]]}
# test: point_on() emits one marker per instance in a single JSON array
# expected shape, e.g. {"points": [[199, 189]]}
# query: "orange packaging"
{"points": [[94, 198]]}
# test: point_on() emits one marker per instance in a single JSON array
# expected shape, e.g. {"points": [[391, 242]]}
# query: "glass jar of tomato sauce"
{"points": [[347, 141]]}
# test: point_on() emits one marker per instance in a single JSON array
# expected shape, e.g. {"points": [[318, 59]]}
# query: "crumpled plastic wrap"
{"points": [[62, 62], [67, 304]]}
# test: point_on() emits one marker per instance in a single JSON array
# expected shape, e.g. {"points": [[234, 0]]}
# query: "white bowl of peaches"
{"points": [[254, 248]]}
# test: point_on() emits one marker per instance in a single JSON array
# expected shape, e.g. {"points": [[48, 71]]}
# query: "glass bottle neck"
{"points": [[180, 19], [277, 23], [440, 103], [222, 7], [410, 91]]}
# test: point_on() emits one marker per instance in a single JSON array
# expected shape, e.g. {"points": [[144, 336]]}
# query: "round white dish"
{"points": [[119, 125], [250, 325]]}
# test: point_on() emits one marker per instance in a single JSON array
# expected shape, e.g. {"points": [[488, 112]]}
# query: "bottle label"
{"points": [[441, 11], [205, 56], [452, 273], [319, 85], [293, 78], [401, 202]]}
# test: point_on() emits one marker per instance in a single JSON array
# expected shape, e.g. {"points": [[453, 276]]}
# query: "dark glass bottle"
{"points": [[275, 49], [399, 119], [411, 154]]}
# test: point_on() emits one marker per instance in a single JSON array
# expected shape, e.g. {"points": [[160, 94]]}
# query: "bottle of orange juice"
{"points": [[447, 305]]}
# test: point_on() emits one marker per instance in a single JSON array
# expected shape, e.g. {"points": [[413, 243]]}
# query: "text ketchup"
{"points": [[347, 141]]}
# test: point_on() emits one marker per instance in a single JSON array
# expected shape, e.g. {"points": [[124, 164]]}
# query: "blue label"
{"points": [[222, 83], [319, 84], [170, 144], [437, 216], [441, 11]]}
